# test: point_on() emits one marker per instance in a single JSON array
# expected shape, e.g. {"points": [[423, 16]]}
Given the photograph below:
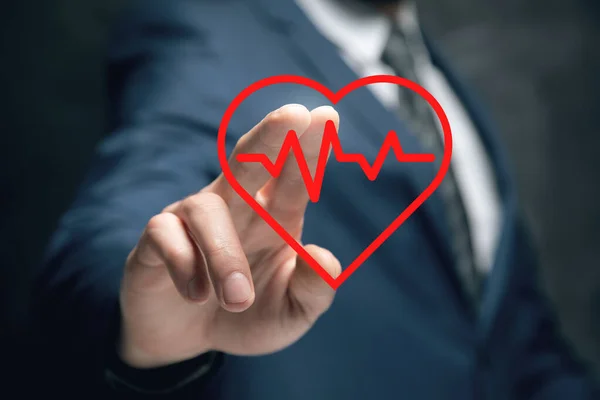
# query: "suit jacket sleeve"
{"points": [[165, 89]]}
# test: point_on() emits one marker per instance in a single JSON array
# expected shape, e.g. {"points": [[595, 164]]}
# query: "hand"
{"points": [[209, 274]]}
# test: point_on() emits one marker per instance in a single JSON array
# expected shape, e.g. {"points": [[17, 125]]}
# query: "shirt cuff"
{"points": [[162, 380]]}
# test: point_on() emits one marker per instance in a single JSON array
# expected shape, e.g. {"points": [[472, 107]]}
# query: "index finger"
{"points": [[265, 138]]}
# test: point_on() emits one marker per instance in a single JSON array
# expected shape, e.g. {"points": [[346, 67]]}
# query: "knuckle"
{"points": [[221, 186], [221, 250], [223, 255], [176, 254], [217, 250], [156, 225], [244, 168], [202, 203], [242, 141], [156, 222]]}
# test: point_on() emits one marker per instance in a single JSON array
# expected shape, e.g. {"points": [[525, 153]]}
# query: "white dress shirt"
{"points": [[361, 34]]}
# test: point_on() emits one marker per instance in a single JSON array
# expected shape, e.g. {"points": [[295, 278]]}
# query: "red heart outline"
{"points": [[334, 98]]}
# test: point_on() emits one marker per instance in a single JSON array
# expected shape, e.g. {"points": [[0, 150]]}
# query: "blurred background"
{"points": [[535, 63]]}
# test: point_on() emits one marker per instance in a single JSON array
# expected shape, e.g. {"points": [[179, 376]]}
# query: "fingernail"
{"points": [[193, 291], [236, 289]]}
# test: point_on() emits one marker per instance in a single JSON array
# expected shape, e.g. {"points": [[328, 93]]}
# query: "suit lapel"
{"points": [[481, 122], [497, 281]]}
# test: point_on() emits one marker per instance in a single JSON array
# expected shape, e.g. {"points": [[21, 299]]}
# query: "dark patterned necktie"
{"points": [[399, 54]]}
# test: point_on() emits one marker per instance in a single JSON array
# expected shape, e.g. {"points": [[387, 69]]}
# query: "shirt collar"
{"points": [[359, 32]]}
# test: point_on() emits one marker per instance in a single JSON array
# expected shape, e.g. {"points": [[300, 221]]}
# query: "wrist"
{"points": [[130, 369], [143, 353], [136, 357]]}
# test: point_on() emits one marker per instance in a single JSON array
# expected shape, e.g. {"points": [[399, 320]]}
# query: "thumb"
{"points": [[308, 288]]}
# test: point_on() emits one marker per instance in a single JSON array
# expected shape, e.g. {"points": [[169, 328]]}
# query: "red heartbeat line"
{"points": [[331, 140]]}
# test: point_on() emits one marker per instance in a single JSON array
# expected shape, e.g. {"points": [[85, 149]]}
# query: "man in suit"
{"points": [[162, 281]]}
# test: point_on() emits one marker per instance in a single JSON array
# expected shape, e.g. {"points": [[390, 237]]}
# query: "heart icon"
{"points": [[334, 98]]}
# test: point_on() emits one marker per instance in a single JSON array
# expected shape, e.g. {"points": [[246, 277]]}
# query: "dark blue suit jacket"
{"points": [[400, 327]]}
